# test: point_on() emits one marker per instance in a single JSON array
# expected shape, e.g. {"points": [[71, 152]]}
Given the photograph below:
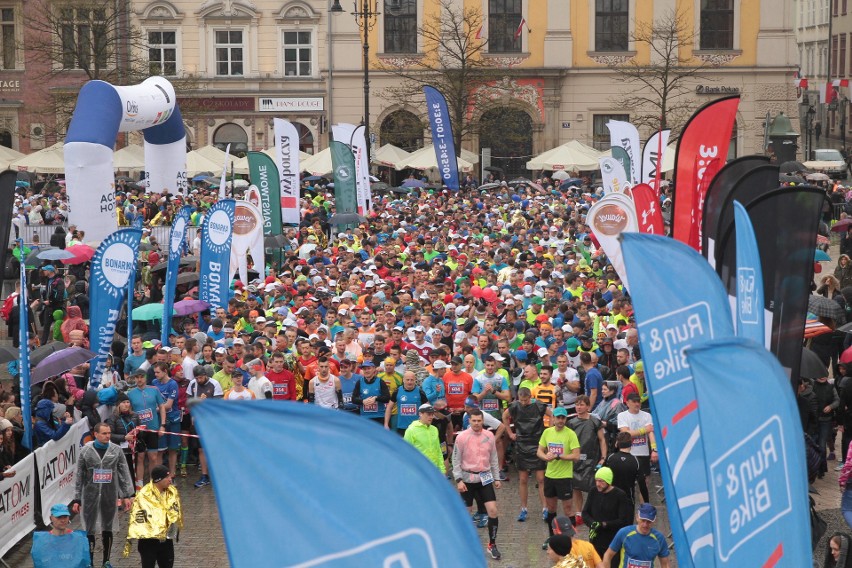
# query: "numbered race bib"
{"points": [[102, 476], [280, 390], [583, 457], [486, 478], [407, 409], [372, 407], [456, 388], [555, 448], [490, 404], [145, 415], [443, 447], [347, 398], [633, 563]]}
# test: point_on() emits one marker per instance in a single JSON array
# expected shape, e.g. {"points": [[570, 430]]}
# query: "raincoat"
{"points": [[155, 514], [100, 481]]}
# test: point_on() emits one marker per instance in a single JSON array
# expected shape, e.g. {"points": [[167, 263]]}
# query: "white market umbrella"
{"points": [[129, 158], [318, 164], [8, 155], [391, 157], [197, 163], [242, 163], [214, 154], [51, 160], [425, 159], [669, 157], [570, 156]]}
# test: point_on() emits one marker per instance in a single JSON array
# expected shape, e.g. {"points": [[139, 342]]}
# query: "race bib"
{"points": [[443, 447], [102, 476], [486, 478], [347, 398], [280, 389], [582, 457], [408, 410], [490, 404], [455, 388], [633, 563], [371, 407], [145, 415], [555, 448]]}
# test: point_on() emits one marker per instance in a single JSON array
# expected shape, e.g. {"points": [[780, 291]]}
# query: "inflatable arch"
{"points": [[103, 110]]}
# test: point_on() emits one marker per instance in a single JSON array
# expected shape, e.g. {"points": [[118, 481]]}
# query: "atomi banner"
{"points": [[313, 442], [176, 245], [442, 137], [112, 267], [216, 235], [673, 317]]}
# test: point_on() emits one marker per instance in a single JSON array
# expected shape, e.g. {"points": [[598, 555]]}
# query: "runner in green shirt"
{"points": [[559, 448]]}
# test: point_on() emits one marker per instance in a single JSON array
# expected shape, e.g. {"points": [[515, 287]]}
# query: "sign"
{"points": [[57, 467], [716, 90], [10, 85], [290, 104], [17, 504], [223, 104], [566, 125]]}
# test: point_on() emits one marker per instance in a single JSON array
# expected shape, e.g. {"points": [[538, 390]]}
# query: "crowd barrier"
{"points": [[45, 231]]}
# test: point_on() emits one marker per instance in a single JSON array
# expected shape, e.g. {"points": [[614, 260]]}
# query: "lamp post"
{"points": [[842, 104], [811, 114]]}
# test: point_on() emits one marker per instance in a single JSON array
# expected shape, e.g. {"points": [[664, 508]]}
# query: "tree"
{"points": [[454, 65], [660, 90]]}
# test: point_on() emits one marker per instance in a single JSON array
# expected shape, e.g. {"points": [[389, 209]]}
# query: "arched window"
{"points": [[509, 134], [306, 138], [6, 138], [402, 129], [233, 134]]}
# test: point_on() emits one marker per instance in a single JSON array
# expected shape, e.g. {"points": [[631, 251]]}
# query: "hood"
{"points": [[74, 312], [80, 286], [44, 409], [844, 558], [90, 399], [58, 315]]}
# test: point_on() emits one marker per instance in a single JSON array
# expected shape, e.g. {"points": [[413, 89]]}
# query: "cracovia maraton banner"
{"points": [[264, 176], [672, 317], [442, 137], [112, 267], [287, 158], [176, 245], [701, 152], [216, 234]]}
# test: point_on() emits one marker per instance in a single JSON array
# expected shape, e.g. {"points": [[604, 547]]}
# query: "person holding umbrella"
{"points": [[52, 299]]}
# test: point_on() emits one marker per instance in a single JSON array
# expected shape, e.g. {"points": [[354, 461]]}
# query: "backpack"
{"points": [[8, 306]]}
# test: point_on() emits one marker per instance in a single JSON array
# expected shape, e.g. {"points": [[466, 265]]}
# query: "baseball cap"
{"points": [[471, 402], [520, 355], [221, 350], [159, 473], [561, 543], [60, 510], [647, 512], [439, 364], [51, 268], [137, 373], [559, 411], [239, 341], [426, 408], [572, 345], [604, 474], [456, 361], [639, 367], [562, 526], [201, 370], [368, 363]]}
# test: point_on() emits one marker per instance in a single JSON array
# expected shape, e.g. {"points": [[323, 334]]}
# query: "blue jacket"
{"points": [[46, 428]]}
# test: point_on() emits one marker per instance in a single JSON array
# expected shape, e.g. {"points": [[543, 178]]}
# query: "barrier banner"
{"points": [[653, 154], [112, 267], [648, 213], [17, 504], [442, 137], [177, 239], [608, 218], [57, 468], [287, 160], [264, 176], [216, 235], [749, 311], [672, 317], [625, 135], [701, 152], [759, 467], [314, 441], [717, 195]]}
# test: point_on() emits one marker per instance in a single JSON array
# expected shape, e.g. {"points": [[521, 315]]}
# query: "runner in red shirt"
{"points": [[458, 385], [283, 381]]}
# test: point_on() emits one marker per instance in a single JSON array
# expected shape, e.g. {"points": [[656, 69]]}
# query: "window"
{"points": [[717, 24], [600, 132], [611, 21], [229, 52], [833, 56], [504, 17], [162, 53], [84, 38], [233, 134], [297, 54], [402, 129], [7, 41], [841, 63], [400, 26]]}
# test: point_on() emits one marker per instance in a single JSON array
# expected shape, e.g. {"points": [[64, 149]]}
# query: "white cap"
{"points": [[460, 336], [528, 290], [497, 357], [439, 364], [542, 352]]}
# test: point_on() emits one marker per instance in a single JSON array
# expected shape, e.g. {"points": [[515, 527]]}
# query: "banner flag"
{"points": [[177, 239], [613, 175], [216, 235], [758, 467], [717, 195], [112, 267], [608, 218], [287, 160], [24, 343], [653, 154], [57, 467], [624, 135], [672, 317], [343, 169], [17, 515], [442, 137], [648, 213], [264, 176], [353, 137], [314, 442], [750, 320], [701, 152], [224, 179], [247, 237], [785, 224], [7, 202], [620, 155]]}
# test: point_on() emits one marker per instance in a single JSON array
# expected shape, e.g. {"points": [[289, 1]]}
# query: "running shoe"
{"points": [[483, 522], [476, 517], [183, 470], [205, 480], [494, 551], [544, 515], [578, 520], [839, 466], [831, 456], [139, 485], [502, 476], [107, 564], [523, 516], [544, 546]]}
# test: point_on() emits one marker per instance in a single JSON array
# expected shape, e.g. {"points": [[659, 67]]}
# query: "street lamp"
{"points": [[843, 103], [811, 114]]}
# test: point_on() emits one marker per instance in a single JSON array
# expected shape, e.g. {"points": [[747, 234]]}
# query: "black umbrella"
{"points": [[401, 190], [8, 354], [812, 367], [494, 170], [823, 307], [487, 186], [347, 219], [187, 277], [184, 261], [792, 167], [40, 353], [790, 178], [379, 186], [274, 241]]}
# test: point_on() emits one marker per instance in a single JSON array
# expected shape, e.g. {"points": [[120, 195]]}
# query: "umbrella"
{"points": [[494, 170], [841, 226], [82, 253], [37, 355], [148, 312], [792, 167], [411, 182], [274, 241], [487, 186], [8, 354], [520, 181], [823, 307], [60, 361], [187, 277], [312, 178], [821, 240], [818, 176], [379, 186], [812, 367], [401, 190], [186, 307], [46, 253], [347, 219], [202, 176], [821, 256], [790, 178], [571, 182], [561, 175], [184, 261], [240, 183]]}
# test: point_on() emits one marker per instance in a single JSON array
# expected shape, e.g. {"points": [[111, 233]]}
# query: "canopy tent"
{"points": [[391, 157], [129, 158], [214, 154], [7, 156], [318, 164], [425, 159], [669, 157], [51, 160], [197, 163], [242, 163], [570, 156]]}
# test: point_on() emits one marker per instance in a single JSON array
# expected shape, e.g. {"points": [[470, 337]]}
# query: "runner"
{"points": [[559, 448], [639, 425], [640, 544], [593, 451], [149, 405], [155, 520], [524, 421]]}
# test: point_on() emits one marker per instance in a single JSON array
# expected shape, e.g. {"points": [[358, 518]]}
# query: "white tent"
{"points": [[129, 158], [391, 157], [318, 164], [51, 160], [425, 159], [8, 155], [570, 156], [214, 154], [242, 163], [669, 157], [197, 163]]}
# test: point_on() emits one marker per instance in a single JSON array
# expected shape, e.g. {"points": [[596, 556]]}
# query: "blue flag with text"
{"points": [[673, 314], [750, 318], [216, 234], [24, 363], [378, 502], [758, 468], [177, 242], [442, 137]]}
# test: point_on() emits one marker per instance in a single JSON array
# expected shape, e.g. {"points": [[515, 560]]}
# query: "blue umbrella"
{"points": [[202, 176], [312, 178], [411, 182], [55, 254], [821, 256]]}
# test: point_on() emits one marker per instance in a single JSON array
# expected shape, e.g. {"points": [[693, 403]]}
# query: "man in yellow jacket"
{"points": [[423, 436], [155, 520]]}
